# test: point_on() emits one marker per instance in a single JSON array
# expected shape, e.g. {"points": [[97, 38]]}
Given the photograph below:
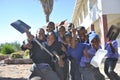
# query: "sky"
{"points": [[30, 12]]}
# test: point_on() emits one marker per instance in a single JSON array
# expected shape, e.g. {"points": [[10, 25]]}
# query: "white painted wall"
{"points": [[111, 6]]}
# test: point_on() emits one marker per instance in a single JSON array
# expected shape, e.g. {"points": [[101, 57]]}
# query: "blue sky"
{"points": [[31, 12]]}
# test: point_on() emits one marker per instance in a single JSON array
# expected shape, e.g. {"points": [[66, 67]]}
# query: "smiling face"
{"points": [[82, 35], [50, 26], [95, 43], [51, 38], [40, 34], [61, 31]]}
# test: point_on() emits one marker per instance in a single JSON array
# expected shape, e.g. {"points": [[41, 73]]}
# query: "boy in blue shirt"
{"points": [[90, 72], [111, 59]]}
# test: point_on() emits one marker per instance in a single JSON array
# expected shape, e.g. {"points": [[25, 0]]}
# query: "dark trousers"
{"points": [[91, 73], [62, 72], [75, 73], [109, 66], [42, 72]]}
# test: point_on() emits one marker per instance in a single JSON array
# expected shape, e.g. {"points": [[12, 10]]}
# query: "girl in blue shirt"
{"points": [[74, 52], [111, 59], [90, 72]]}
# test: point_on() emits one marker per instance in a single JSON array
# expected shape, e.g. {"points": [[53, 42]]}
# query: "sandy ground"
{"points": [[14, 72], [21, 71]]}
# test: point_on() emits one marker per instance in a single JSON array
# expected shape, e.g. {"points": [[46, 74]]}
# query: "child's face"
{"points": [[40, 34], [61, 32], [95, 43], [68, 40], [50, 39], [82, 34]]}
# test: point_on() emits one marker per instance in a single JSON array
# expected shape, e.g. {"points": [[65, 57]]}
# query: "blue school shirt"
{"points": [[110, 54], [76, 52], [84, 60]]}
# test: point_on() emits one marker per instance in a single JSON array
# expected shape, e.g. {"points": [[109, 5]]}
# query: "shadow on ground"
{"points": [[6, 78]]}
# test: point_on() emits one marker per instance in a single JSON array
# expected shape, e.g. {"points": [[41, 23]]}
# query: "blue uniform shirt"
{"points": [[91, 51], [110, 54], [77, 52]]}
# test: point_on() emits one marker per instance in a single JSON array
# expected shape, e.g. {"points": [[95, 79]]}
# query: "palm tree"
{"points": [[47, 6]]}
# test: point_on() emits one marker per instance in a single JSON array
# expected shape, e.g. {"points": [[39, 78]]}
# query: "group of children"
{"points": [[72, 51]]}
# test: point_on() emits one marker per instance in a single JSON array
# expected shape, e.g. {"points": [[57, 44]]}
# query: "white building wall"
{"points": [[111, 6]]}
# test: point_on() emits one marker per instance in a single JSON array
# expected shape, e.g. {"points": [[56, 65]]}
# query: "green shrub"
{"points": [[16, 55], [7, 49]]}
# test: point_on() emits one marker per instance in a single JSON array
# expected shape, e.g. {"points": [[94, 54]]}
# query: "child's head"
{"points": [[82, 33], [94, 39]]}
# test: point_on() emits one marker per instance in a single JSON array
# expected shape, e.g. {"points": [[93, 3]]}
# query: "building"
{"points": [[97, 15]]}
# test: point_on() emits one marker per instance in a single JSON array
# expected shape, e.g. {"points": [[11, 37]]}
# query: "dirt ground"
{"points": [[21, 71], [14, 72]]}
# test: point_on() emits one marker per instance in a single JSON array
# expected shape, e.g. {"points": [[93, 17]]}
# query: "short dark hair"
{"points": [[59, 27], [71, 25], [52, 24], [80, 28], [68, 34]]}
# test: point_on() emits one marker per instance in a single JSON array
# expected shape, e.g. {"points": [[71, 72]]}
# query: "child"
{"points": [[112, 57], [90, 72]]}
